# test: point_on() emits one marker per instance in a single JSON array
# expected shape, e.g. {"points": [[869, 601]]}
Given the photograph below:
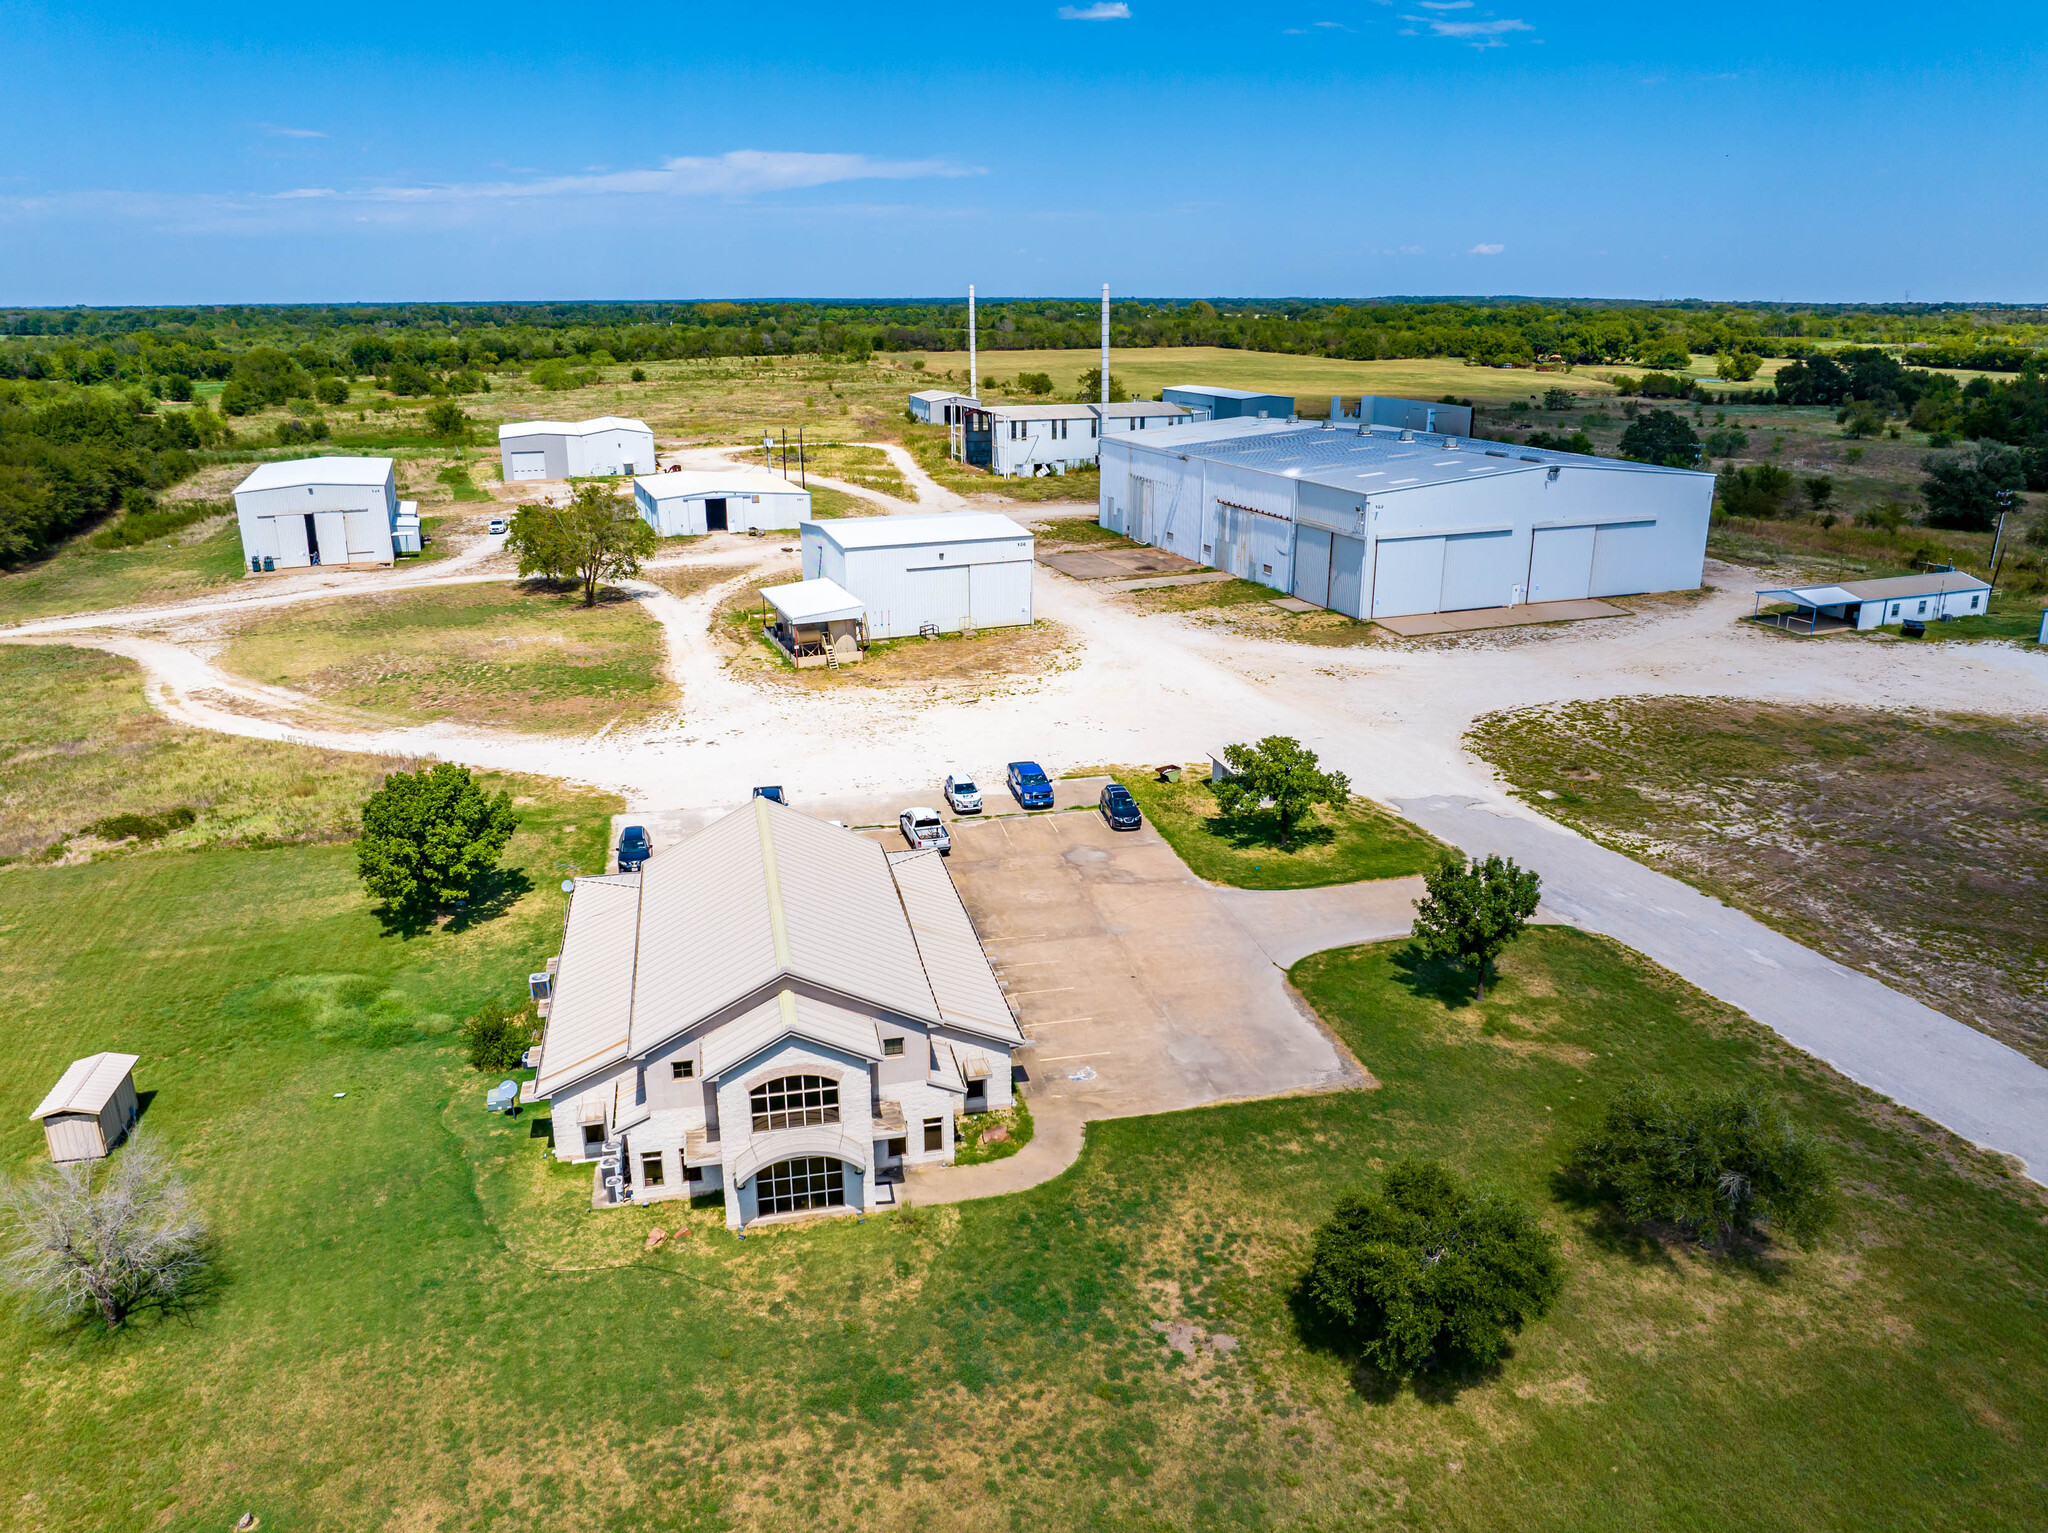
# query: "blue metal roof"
{"points": [[1369, 463], [1203, 388]]}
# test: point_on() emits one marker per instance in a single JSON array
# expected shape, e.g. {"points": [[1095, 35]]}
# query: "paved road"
{"points": [[1990, 1094]]}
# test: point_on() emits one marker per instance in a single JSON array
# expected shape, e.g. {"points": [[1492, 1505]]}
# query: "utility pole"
{"points": [[2005, 499], [802, 477], [1105, 343]]}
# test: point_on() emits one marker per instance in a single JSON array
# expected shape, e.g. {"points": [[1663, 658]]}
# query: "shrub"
{"points": [[1889, 516], [1718, 1165], [497, 1036], [142, 827], [639, 375], [1661, 437], [1577, 442], [1427, 1274], [1756, 491], [1034, 383], [1726, 442], [331, 391], [447, 420], [1559, 399]]}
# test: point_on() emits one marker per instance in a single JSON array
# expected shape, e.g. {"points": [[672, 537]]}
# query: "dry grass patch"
{"points": [[505, 656]]}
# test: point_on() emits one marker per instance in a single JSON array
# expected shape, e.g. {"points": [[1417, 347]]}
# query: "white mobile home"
{"points": [[1388, 523], [939, 573], [609, 445], [325, 511], [90, 1108], [938, 406], [1935, 597], [776, 1009], [688, 501], [1050, 439]]}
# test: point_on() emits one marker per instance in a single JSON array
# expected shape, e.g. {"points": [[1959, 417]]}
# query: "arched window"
{"points": [[791, 1186], [795, 1101]]}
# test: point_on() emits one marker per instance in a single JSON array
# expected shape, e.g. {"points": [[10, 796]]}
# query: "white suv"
{"points": [[923, 828], [962, 794]]}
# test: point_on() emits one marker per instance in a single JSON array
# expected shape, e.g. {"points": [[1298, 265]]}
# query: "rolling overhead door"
{"points": [[529, 465], [1312, 565], [1481, 569], [1407, 576], [1625, 559], [1561, 563], [1347, 575]]}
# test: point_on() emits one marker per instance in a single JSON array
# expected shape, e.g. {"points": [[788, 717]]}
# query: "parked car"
{"points": [[962, 794], [771, 793], [1029, 785], [634, 848], [499, 527], [1119, 808], [923, 828]]}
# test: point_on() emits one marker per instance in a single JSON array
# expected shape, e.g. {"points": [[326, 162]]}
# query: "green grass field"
{"points": [[508, 656], [416, 1321], [1144, 371], [1344, 846], [80, 578]]}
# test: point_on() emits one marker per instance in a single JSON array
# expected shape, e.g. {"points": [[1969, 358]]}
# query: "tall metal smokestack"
{"points": [[973, 363], [1105, 343]]}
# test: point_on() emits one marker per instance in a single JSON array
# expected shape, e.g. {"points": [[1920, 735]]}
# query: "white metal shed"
{"points": [[817, 622], [1382, 522], [1936, 596], [937, 405], [608, 445], [942, 572], [325, 511], [688, 501], [90, 1108]]}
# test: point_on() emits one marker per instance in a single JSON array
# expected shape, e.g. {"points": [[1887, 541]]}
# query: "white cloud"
{"points": [[1486, 249], [1481, 34], [1445, 5], [739, 173], [1102, 10], [274, 130]]}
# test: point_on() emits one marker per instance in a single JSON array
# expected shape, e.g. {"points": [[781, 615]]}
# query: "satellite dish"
{"points": [[568, 886]]}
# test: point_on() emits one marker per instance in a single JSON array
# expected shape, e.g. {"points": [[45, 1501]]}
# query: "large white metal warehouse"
{"points": [[325, 511], [940, 573], [688, 501], [1386, 523], [609, 445]]}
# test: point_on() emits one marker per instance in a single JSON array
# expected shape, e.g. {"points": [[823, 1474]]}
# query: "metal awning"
{"points": [[814, 601]]}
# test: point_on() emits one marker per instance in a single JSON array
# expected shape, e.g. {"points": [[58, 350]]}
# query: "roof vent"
{"points": [[1495, 452], [1407, 436], [1450, 444], [1527, 459]]}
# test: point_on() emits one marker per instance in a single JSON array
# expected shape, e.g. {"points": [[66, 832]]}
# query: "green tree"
{"points": [[1736, 366], [1718, 1165], [1039, 383], [1962, 492], [1726, 442], [1860, 417], [1559, 399], [1089, 390], [331, 390], [447, 421], [1471, 911], [1429, 1274], [1819, 488], [497, 1036], [1661, 436], [1282, 772], [1756, 491], [429, 837], [595, 538]]}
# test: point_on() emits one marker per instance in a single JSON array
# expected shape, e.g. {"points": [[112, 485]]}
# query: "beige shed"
{"points": [[88, 1111]]}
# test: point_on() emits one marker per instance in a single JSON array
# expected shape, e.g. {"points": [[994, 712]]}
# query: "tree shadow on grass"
{"points": [[1439, 1384], [495, 894], [1259, 831], [1654, 1243], [1449, 983]]}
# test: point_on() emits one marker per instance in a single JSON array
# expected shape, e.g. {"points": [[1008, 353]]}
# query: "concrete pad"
{"points": [[1290, 924], [1106, 563], [1295, 604], [1200, 577], [1422, 624]]}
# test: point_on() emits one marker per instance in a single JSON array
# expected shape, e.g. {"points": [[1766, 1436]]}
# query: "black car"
{"points": [[1119, 808], [634, 848]]}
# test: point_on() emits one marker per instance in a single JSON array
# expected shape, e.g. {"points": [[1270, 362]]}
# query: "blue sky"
{"points": [[269, 153]]}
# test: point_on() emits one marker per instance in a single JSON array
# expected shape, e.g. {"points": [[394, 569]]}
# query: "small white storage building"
{"points": [[609, 445], [939, 406], [1379, 522], [90, 1108], [689, 501], [1934, 597], [1050, 439], [325, 511], [943, 573]]}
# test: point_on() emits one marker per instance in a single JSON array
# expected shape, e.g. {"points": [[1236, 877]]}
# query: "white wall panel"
{"points": [[1000, 594], [1347, 575], [1408, 576], [1561, 564], [1312, 565], [1481, 569], [1627, 559]]}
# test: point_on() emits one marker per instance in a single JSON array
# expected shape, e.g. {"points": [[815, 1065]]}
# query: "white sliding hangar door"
{"points": [[1446, 572], [1407, 576], [1596, 559], [331, 528], [999, 594], [940, 594], [1312, 564]]}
